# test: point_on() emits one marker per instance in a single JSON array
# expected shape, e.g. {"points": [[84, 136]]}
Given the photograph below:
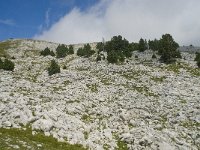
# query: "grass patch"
{"points": [[121, 145], [190, 124], [106, 147], [106, 81], [183, 101], [86, 118], [133, 75], [92, 87], [24, 139], [3, 47], [141, 89], [176, 66], [158, 79], [86, 135]]}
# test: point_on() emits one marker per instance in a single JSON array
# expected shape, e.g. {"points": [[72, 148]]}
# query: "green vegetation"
{"points": [[168, 49], [92, 87], [24, 139], [47, 52], [86, 118], [118, 49], [158, 79], [154, 56], [61, 51], [70, 50], [1, 64], [64, 67], [154, 45], [175, 67], [142, 46], [197, 59], [98, 58], [86, 51], [54, 68], [190, 124], [197, 56], [86, 135], [7, 65], [121, 145], [4, 46]]}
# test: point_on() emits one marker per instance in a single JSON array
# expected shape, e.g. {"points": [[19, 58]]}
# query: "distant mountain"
{"points": [[189, 49]]}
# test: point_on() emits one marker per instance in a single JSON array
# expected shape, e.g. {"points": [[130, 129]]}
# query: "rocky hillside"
{"points": [[140, 104]]}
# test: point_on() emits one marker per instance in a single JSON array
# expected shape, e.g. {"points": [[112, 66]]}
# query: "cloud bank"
{"points": [[132, 19]]}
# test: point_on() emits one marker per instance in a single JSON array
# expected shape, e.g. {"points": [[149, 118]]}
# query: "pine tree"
{"points": [[61, 51], [141, 46], [70, 50], [8, 65], [168, 49], [54, 68]]}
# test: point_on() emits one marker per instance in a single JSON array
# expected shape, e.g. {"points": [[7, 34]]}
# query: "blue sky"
{"points": [[25, 18]]}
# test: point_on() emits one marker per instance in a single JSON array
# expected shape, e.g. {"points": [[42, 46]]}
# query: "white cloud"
{"points": [[132, 19], [7, 22], [47, 17]]}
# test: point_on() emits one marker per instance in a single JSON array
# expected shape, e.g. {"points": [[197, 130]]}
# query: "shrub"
{"points": [[168, 49], [98, 58], [1, 64], [142, 45], [197, 56], [112, 57], [85, 51], [54, 68], [8, 65], [64, 67], [70, 50], [100, 46], [47, 52], [61, 51], [52, 53], [198, 63], [120, 47], [154, 56]]}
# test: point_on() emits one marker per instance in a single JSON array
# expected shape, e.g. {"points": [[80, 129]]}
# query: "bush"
{"points": [[64, 67], [112, 57], [100, 46], [142, 45], [52, 53], [197, 56], [168, 49], [8, 65], [198, 63], [120, 47], [154, 56], [1, 64], [54, 68], [47, 52], [61, 51], [70, 50], [85, 51], [98, 58]]}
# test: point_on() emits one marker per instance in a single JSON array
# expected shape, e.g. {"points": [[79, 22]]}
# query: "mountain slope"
{"points": [[141, 104]]}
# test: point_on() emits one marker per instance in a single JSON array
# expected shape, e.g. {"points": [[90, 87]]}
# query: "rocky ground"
{"points": [[141, 104]]}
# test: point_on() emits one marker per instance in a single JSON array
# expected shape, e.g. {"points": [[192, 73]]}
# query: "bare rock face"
{"points": [[145, 104]]}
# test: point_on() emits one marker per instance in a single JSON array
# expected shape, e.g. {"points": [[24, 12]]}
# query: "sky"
{"points": [[83, 21]]}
